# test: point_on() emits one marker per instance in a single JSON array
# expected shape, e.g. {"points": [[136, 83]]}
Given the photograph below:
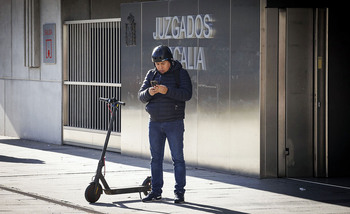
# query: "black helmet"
{"points": [[161, 53]]}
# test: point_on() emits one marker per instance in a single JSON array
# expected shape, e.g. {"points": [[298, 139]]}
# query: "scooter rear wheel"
{"points": [[91, 195], [147, 183]]}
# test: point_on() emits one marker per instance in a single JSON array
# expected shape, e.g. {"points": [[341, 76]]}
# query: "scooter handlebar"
{"points": [[112, 101]]}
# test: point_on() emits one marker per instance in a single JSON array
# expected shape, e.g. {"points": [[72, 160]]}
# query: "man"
{"points": [[165, 89]]}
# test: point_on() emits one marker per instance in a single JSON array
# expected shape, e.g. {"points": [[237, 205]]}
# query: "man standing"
{"points": [[165, 89]]}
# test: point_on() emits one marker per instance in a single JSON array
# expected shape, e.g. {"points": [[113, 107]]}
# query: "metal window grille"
{"points": [[92, 70]]}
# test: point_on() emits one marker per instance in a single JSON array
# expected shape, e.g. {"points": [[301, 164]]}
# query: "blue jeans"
{"points": [[158, 133]]}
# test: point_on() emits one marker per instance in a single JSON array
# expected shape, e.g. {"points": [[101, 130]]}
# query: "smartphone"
{"points": [[154, 83]]}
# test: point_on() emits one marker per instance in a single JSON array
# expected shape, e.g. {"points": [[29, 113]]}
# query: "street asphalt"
{"points": [[38, 177]]}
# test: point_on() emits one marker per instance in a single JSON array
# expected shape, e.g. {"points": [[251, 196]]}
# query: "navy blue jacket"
{"points": [[170, 106]]}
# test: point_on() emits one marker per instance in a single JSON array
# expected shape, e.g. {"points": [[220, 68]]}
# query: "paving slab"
{"points": [[44, 178]]}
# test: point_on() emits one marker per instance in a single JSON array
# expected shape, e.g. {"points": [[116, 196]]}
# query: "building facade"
{"points": [[268, 79]]}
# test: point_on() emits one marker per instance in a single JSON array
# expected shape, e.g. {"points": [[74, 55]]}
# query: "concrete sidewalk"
{"points": [[44, 178]]}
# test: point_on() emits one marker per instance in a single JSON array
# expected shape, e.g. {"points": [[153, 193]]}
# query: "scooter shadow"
{"points": [[187, 205], [103, 204], [122, 205]]}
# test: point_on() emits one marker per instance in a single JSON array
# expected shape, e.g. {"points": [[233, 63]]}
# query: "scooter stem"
{"points": [[101, 162]]}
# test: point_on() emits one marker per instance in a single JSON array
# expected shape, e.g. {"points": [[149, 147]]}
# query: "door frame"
{"points": [[321, 92], [320, 110]]}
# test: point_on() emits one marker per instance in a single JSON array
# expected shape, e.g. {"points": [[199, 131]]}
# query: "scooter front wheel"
{"points": [[92, 195]]}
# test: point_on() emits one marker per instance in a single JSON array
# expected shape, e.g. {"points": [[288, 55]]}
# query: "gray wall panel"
{"points": [[299, 93], [131, 78], [244, 87], [52, 72], [75, 10], [222, 118], [184, 8], [268, 93], [5, 39], [25, 114], [213, 89], [18, 69], [150, 11]]}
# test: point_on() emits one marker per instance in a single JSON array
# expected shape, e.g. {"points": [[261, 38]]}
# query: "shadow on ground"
{"points": [[327, 190]]}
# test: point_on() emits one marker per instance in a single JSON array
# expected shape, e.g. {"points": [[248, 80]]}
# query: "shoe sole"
{"points": [[179, 202], [153, 200]]}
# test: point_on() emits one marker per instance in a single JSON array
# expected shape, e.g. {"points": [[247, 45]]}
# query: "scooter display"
{"points": [[94, 190]]}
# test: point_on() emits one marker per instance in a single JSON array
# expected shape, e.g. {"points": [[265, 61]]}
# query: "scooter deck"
{"points": [[126, 190]]}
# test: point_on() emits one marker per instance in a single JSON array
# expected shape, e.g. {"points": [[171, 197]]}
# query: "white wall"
{"points": [[30, 98]]}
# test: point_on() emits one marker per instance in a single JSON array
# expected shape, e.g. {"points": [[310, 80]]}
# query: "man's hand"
{"points": [[158, 89], [162, 89], [152, 91]]}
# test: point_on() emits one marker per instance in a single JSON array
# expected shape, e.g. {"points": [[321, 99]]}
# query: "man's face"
{"points": [[163, 67]]}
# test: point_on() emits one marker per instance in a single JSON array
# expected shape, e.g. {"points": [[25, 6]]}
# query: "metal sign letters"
{"points": [[186, 27]]}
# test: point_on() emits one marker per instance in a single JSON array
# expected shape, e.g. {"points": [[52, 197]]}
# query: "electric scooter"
{"points": [[94, 190]]}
